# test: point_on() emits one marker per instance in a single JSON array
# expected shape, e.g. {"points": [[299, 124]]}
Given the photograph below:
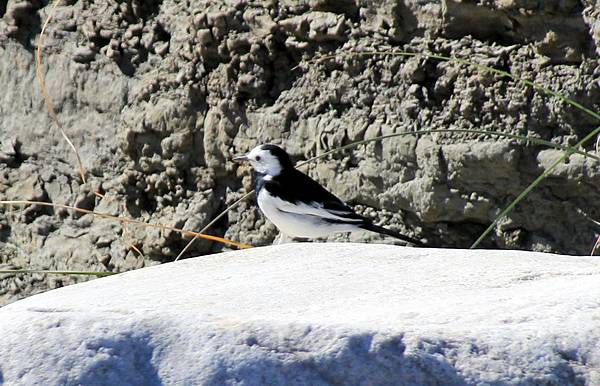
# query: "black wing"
{"points": [[303, 195]]}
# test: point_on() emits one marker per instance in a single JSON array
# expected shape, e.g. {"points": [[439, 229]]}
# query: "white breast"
{"points": [[300, 221]]}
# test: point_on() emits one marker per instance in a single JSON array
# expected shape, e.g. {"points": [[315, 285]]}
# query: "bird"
{"points": [[298, 205]]}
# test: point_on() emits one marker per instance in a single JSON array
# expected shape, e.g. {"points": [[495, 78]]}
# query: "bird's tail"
{"points": [[378, 229]]}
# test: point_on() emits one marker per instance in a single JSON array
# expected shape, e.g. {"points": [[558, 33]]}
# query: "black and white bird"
{"points": [[297, 204]]}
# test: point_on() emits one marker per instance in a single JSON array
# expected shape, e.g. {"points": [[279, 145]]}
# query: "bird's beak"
{"points": [[240, 158]]}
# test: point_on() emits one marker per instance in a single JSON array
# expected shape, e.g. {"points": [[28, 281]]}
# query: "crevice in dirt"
{"points": [[25, 22]]}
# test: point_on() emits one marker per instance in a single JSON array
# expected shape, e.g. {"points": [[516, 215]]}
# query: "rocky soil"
{"points": [[158, 95]]}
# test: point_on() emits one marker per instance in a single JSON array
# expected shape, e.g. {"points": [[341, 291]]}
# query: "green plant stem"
{"points": [[475, 65], [420, 132], [531, 186], [571, 149], [214, 220], [536, 86]]}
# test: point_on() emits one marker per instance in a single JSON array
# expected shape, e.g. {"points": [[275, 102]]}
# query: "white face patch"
{"points": [[264, 162]]}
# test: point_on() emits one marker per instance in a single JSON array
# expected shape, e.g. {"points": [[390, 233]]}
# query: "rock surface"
{"points": [[317, 314], [159, 94]]}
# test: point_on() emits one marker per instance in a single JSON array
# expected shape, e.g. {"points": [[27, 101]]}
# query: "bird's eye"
{"points": [[257, 158]]}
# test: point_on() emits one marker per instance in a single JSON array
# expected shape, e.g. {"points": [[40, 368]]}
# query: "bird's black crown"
{"points": [[280, 154]]}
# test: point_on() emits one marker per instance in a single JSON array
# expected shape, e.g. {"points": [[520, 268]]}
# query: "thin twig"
{"points": [[127, 220], [531, 186], [230, 207], [387, 136], [46, 96], [546, 90], [536, 86]]}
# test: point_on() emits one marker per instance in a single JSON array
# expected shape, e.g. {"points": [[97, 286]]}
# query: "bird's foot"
{"points": [[281, 239]]}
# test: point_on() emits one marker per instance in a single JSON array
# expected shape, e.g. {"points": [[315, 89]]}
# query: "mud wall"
{"points": [[158, 95]]}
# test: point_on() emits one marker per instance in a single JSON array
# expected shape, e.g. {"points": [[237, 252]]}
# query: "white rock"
{"points": [[317, 314]]}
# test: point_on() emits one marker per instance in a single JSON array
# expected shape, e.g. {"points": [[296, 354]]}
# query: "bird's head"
{"points": [[267, 159]]}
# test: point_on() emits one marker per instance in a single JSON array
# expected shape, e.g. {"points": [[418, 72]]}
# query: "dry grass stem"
{"points": [[214, 220], [126, 220], [52, 111], [42, 79]]}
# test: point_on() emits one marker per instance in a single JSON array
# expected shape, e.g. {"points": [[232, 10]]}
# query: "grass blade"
{"points": [[419, 132], [493, 70], [481, 67], [531, 186]]}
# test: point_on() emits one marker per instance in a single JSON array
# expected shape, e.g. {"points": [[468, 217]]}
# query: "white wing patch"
{"points": [[304, 220], [312, 209]]}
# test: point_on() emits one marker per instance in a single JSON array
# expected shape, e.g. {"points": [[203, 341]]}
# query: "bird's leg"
{"points": [[280, 239]]}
